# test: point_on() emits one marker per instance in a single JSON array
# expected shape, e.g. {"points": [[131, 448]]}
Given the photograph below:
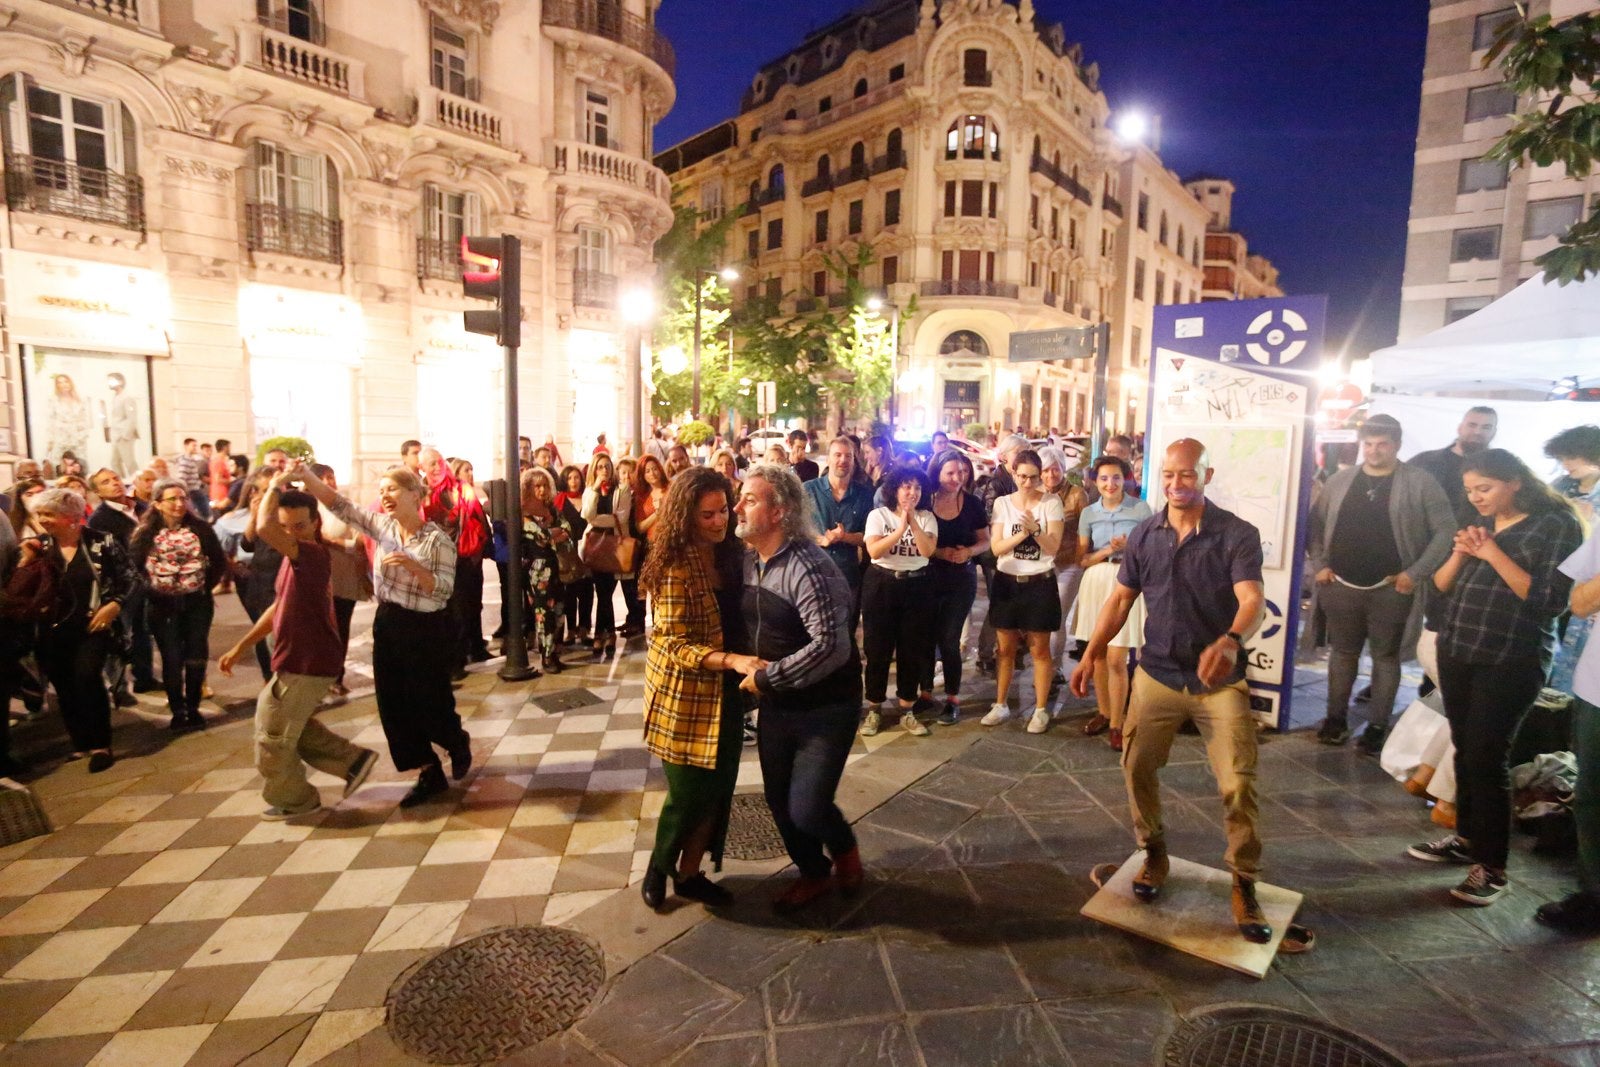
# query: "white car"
{"points": [[982, 459], [761, 440]]}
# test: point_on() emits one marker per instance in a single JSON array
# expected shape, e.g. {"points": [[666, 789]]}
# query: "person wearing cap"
{"points": [[1378, 532]]}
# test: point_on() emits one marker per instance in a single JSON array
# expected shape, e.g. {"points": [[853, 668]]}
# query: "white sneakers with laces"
{"points": [[998, 714], [1040, 721]]}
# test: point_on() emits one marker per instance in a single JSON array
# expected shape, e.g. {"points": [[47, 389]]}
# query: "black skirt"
{"points": [[1031, 605]]}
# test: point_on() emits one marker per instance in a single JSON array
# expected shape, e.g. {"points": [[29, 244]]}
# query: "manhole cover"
{"points": [[494, 994], [1255, 1036], [752, 835], [565, 700]]}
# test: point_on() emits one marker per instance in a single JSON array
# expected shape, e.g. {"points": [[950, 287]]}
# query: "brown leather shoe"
{"points": [[1153, 875], [1247, 913], [803, 892], [1096, 725], [848, 873]]}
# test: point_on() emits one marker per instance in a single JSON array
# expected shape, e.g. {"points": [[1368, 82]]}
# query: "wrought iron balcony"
{"points": [[55, 187], [438, 258], [605, 18], [969, 287], [858, 173], [1061, 178], [820, 184], [891, 161], [1113, 205], [763, 198], [293, 232], [594, 289]]}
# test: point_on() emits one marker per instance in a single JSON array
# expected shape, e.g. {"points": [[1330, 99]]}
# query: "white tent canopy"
{"points": [[1525, 341]]}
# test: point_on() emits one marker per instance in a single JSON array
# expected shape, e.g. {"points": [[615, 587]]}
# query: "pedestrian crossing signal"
{"points": [[491, 269]]}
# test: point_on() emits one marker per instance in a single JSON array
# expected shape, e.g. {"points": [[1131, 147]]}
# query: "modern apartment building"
{"points": [[966, 145], [241, 218], [1232, 271], [1476, 227]]}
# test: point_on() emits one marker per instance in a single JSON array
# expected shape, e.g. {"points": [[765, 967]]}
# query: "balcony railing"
{"points": [[118, 10], [54, 187], [437, 258], [891, 161], [1050, 298], [820, 184], [292, 232], [763, 198], [303, 61], [1113, 205], [605, 18], [969, 287], [1061, 178], [450, 112], [848, 175], [577, 157], [594, 289]]}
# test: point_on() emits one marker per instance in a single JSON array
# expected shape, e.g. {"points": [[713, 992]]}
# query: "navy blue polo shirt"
{"points": [[1188, 590]]}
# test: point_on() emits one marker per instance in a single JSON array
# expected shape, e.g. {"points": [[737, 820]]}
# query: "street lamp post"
{"points": [[727, 274]]}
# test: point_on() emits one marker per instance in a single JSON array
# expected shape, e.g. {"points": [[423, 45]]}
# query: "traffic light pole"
{"points": [[515, 646]]}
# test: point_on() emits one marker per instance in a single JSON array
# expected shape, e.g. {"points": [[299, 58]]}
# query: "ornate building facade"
{"points": [[241, 218], [966, 146]]}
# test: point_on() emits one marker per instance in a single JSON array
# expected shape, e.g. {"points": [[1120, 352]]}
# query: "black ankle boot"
{"points": [[654, 888]]}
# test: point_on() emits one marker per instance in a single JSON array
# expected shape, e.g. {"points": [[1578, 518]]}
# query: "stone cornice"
{"points": [[478, 14]]}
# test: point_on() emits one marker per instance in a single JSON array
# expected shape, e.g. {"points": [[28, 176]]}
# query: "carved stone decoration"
{"points": [[384, 209], [519, 197], [200, 109], [197, 168], [300, 118], [386, 159], [72, 52], [479, 14]]}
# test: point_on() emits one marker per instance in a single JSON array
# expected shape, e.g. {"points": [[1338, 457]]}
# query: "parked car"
{"points": [[982, 459]]}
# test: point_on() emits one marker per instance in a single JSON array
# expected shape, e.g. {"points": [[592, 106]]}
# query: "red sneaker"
{"points": [[848, 873], [801, 893]]}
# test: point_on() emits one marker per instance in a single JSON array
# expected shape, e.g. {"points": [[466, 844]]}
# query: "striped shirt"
{"points": [[430, 546]]}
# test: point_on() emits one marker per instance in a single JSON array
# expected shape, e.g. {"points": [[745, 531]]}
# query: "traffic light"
{"points": [[491, 269]]}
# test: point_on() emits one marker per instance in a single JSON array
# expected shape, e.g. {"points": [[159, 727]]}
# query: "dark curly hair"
{"points": [[1577, 442], [897, 476], [1110, 461], [672, 538]]}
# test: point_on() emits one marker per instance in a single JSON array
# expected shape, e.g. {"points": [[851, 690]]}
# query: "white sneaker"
{"points": [[909, 723], [997, 715], [1040, 721], [870, 724]]}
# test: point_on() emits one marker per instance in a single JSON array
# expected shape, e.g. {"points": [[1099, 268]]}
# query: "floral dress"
{"points": [[545, 592]]}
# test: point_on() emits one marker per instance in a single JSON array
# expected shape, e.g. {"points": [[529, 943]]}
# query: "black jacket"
{"points": [[145, 536]]}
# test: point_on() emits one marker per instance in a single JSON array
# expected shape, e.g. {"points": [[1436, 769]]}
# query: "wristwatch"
{"points": [[1233, 635]]}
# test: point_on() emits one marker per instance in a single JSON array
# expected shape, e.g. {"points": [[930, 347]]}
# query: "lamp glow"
{"points": [[637, 306], [1132, 126]]}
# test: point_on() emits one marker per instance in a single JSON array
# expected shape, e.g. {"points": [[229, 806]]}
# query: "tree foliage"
{"points": [[1558, 64]]}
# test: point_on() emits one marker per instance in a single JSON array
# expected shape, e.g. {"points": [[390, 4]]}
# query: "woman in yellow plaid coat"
{"points": [[693, 711]]}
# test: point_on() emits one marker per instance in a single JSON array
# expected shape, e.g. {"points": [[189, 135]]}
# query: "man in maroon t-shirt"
{"points": [[306, 658]]}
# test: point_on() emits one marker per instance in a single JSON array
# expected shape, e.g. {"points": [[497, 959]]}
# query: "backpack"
{"points": [[177, 563]]}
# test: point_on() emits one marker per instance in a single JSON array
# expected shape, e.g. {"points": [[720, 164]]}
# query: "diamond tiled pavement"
{"points": [[163, 922]]}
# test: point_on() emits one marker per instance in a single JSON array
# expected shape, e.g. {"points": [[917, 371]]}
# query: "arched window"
{"points": [[974, 136], [964, 341], [861, 87], [895, 147], [858, 156], [1038, 147], [824, 166], [1056, 159], [775, 179], [1162, 229], [755, 189]]}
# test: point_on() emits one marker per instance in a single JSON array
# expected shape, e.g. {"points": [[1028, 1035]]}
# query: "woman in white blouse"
{"points": [[897, 619], [1025, 535]]}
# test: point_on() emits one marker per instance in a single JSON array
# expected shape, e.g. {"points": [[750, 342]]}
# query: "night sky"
{"points": [[1311, 109]]}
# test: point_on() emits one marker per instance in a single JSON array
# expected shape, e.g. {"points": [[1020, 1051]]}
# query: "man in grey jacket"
{"points": [[1378, 532]]}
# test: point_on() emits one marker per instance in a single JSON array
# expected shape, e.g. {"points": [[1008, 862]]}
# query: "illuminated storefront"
{"points": [[86, 334], [459, 390]]}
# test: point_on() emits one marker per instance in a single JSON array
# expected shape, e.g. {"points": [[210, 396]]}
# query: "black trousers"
{"points": [[412, 653], [343, 610], [181, 626], [1485, 705], [251, 590], [954, 590], [579, 606], [802, 759], [605, 611], [899, 622], [466, 608], [72, 660]]}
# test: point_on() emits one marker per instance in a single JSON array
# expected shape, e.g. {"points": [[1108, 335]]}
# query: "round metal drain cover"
{"points": [[1250, 1035], [752, 835], [494, 994]]}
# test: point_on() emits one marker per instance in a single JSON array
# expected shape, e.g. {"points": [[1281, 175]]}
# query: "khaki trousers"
{"points": [[288, 738], [1155, 712]]}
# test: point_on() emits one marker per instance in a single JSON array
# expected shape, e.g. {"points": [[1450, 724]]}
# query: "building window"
{"points": [[1144, 211], [824, 167], [963, 341], [1033, 212], [1459, 307], [1182, 244], [774, 234], [297, 18], [1480, 242], [861, 87], [821, 233], [1161, 287], [819, 283], [897, 72], [292, 181], [891, 208], [1551, 218], [1136, 344], [711, 200], [774, 289], [1072, 234], [975, 66], [775, 180], [68, 155], [597, 119], [1490, 101], [825, 105], [451, 67], [752, 244], [858, 159], [1138, 279], [949, 199], [1033, 276], [1161, 231], [447, 217], [972, 137], [1478, 175], [854, 227], [594, 250], [894, 148], [1055, 223], [1487, 27], [972, 198], [891, 270]]}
